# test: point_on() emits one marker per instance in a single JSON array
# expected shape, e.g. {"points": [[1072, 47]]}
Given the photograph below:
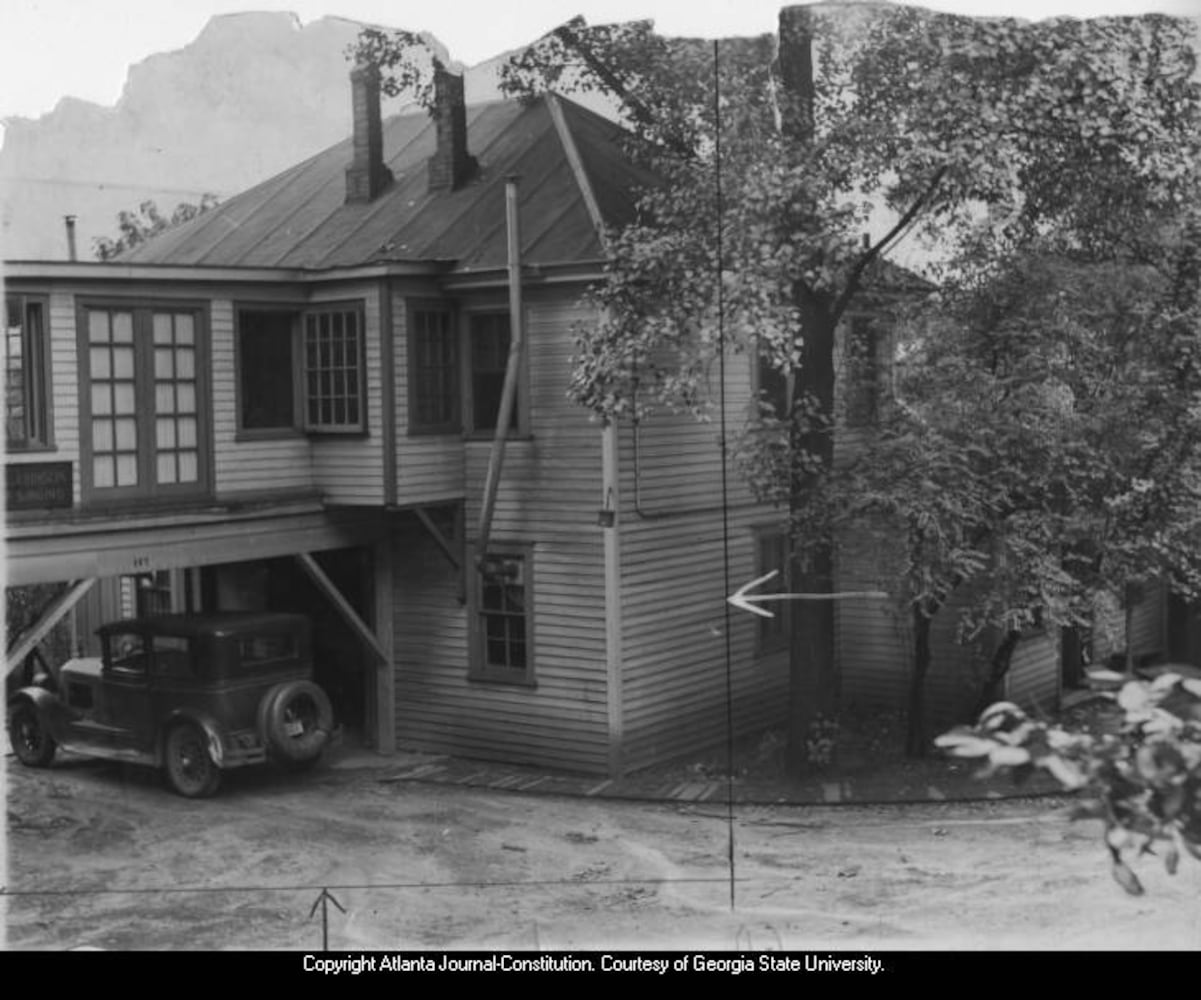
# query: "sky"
{"points": [[51, 49]]}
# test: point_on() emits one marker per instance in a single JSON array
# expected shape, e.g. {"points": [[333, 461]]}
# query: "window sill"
{"points": [[269, 434], [30, 449], [434, 432], [489, 436], [476, 677]]}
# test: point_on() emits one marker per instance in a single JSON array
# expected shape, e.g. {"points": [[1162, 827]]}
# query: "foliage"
{"points": [[1044, 444], [405, 60], [1143, 781], [146, 223]]}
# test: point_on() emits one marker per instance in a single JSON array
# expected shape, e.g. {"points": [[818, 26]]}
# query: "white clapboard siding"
{"points": [[1034, 672], [681, 691], [562, 722], [246, 466], [547, 500], [873, 637], [429, 467], [349, 469]]}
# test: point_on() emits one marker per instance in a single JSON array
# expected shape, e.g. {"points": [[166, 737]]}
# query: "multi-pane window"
{"points": [[333, 370], [176, 425], [488, 345], [142, 402], [771, 386], [266, 383], [434, 371], [503, 621], [771, 553], [26, 413], [863, 371]]}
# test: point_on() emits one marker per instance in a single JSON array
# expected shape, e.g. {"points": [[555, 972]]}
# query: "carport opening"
{"points": [[341, 664]]}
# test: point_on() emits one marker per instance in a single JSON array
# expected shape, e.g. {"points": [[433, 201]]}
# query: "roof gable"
{"points": [[300, 218]]}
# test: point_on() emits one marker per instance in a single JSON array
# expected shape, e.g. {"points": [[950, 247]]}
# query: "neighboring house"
{"points": [[290, 403]]}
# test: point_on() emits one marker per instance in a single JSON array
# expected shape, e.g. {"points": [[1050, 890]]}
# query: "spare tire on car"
{"points": [[296, 719]]}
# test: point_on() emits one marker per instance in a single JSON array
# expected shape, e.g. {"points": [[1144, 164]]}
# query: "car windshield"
{"points": [[127, 652]]}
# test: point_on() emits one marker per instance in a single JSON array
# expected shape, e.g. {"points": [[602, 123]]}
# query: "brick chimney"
{"points": [[451, 166], [366, 176], [795, 65]]}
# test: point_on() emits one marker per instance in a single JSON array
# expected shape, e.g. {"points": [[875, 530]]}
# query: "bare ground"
{"points": [[104, 857]]}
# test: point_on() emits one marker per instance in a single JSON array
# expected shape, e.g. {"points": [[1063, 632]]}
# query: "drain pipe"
{"points": [[508, 394]]}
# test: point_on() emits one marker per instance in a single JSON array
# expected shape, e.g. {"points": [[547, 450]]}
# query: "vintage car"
{"points": [[194, 694]]}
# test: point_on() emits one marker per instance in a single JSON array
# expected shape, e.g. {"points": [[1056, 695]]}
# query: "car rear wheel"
{"points": [[297, 720], [190, 770], [32, 744]]}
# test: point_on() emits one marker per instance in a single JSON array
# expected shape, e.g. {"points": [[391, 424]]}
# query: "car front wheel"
{"points": [[32, 744], [190, 770]]}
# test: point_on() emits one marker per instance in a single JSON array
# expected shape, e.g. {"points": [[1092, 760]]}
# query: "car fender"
{"points": [[54, 714], [212, 729]]}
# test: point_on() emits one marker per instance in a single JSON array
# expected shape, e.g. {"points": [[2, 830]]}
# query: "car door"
{"points": [[124, 709]]}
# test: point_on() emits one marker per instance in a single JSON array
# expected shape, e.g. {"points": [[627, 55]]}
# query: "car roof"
{"points": [[219, 623]]}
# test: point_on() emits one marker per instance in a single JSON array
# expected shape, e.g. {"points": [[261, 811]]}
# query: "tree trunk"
{"points": [[915, 737], [813, 678], [998, 669]]}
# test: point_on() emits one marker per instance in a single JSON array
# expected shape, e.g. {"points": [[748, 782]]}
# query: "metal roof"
{"points": [[300, 218]]}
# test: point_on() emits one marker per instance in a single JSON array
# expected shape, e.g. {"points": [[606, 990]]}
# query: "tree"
{"points": [[986, 135], [1047, 448], [1141, 775], [146, 223]]}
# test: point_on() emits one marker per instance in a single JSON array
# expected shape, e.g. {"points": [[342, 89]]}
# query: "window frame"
{"points": [[293, 429], [148, 490], [359, 427], [479, 669], [772, 635], [865, 376], [39, 424], [416, 384], [759, 364], [520, 426]]}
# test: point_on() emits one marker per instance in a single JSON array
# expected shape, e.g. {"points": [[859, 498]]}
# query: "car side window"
{"points": [[173, 657], [128, 654]]}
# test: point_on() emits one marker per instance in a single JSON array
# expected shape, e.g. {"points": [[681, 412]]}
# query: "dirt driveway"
{"points": [[104, 857]]}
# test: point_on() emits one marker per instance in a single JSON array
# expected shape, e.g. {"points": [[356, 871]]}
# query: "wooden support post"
{"points": [[512, 372], [14, 657], [348, 613]]}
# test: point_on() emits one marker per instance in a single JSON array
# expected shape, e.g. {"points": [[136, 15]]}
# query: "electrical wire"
{"points": [[725, 499]]}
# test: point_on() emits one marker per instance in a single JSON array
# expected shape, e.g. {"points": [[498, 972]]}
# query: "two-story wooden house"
{"points": [[292, 403]]}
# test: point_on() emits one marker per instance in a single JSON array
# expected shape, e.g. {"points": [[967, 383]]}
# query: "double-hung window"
{"points": [[143, 402], [26, 373], [488, 339], [502, 647], [434, 370], [333, 370], [865, 378], [301, 368], [771, 386]]}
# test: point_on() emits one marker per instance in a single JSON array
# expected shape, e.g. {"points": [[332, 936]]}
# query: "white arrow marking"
{"points": [[742, 599]]}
